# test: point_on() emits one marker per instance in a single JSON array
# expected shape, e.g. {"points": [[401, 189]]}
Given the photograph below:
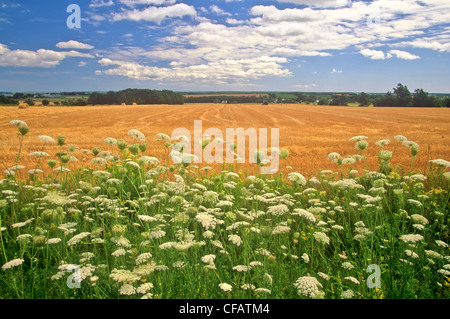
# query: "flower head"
{"points": [[137, 135], [297, 178], [13, 263], [308, 286], [225, 287]]}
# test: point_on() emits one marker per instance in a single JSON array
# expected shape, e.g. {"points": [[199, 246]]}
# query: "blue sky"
{"points": [[218, 45]]}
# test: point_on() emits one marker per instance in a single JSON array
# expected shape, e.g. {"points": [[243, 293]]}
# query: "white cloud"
{"points": [[156, 14], [220, 72], [215, 9], [336, 71], [101, 3], [439, 42], [404, 55], [271, 13], [380, 55], [74, 45], [132, 3], [374, 54], [320, 3], [41, 58], [321, 29]]}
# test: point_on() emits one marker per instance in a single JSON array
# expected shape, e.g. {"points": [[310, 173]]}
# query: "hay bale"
{"points": [[123, 104], [23, 106], [134, 103]]}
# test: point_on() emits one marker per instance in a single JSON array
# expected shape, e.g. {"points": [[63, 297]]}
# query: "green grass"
{"points": [[153, 222]]}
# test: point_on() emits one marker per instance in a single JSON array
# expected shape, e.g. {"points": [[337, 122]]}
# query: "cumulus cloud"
{"points": [[380, 55], [156, 14], [41, 58], [222, 71], [101, 3], [336, 71], [404, 55], [132, 3], [215, 9], [374, 54], [321, 3], [74, 45], [319, 28]]}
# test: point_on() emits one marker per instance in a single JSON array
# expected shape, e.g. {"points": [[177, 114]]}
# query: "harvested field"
{"points": [[309, 132]]}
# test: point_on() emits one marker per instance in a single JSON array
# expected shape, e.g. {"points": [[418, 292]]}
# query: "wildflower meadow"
{"points": [[122, 223]]}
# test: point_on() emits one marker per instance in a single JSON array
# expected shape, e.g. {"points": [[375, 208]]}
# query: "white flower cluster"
{"points": [[305, 214], [207, 220], [297, 178], [411, 238], [322, 238], [278, 209], [12, 263], [235, 239], [308, 286], [77, 238]]}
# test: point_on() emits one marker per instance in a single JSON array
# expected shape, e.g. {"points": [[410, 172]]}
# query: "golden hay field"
{"points": [[309, 132]]}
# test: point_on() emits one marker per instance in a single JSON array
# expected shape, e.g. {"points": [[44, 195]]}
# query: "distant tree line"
{"points": [[229, 99], [4, 100], [402, 97], [138, 96]]}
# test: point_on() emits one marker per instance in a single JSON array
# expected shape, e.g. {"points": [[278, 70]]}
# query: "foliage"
{"points": [[138, 96], [7, 100], [30, 102], [402, 97]]}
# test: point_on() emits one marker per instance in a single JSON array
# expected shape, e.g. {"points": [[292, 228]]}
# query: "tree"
{"points": [[323, 101], [6, 100], [363, 99], [386, 100], [423, 99], [403, 96], [18, 96], [446, 102], [45, 102], [30, 102], [338, 99]]}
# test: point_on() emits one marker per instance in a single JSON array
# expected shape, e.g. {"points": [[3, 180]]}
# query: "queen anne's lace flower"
{"points": [[137, 135], [297, 178], [411, 238], [235, 239], [13, 263], [322, 238], [278, 209], [225, 287], [77, 238], [308, 286]]}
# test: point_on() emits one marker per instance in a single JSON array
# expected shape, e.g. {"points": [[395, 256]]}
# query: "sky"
{"points": [[225, 45]]}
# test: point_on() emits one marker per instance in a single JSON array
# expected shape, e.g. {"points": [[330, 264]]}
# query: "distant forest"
{"points": [[138, 96], [399, 97]]}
